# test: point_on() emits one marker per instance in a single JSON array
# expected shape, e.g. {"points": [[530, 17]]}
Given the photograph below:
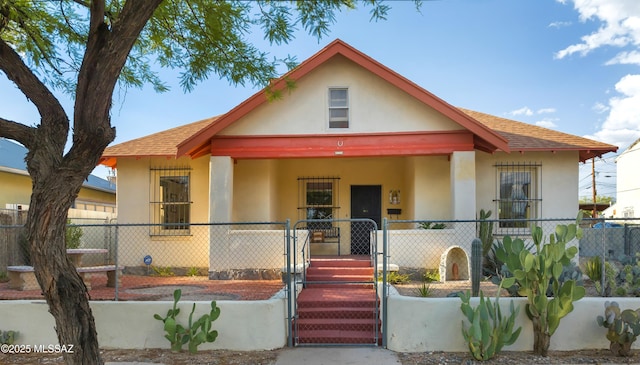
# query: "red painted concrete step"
{"points": [[339, 303], [336, 337]]}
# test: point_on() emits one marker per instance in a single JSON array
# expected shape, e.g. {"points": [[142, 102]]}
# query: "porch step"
{"points": [[338, 304], [337, 298], [341, 261], [335, 337], [348, 324]]}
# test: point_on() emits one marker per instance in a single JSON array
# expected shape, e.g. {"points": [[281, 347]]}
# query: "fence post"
{"points": [[290, 283], [385, 226], [118, 273]]}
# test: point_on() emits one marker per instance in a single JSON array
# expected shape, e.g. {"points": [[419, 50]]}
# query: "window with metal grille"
{"points": [[318, 198], [338, 108], [170, 201], [518, 193]]}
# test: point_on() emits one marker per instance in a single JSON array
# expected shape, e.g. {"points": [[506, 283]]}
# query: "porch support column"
{"points": [[220, 210], [463, 185], [220, 188]]}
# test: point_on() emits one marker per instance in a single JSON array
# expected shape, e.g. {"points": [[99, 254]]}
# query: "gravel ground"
{"points": [[220, 357]]}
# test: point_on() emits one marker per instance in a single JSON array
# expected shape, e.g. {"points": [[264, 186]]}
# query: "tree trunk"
{"points": [[63, 289], [541, 339]]}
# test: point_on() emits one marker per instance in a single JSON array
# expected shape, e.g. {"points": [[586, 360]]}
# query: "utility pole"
{"points": [[593, 187]]}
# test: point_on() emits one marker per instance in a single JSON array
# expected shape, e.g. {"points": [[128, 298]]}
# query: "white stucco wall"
{"points": [[133, 196], [434, 324], [242, 325], [414, 324], [558, 178], [374, 106], [628, 183]]}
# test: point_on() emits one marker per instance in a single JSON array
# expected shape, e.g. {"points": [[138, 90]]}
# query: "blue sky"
{"points": [[572, 66]]}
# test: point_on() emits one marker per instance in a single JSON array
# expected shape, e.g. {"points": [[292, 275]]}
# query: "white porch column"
{"points": [[463, 185], [220, 188], [220, 210]]}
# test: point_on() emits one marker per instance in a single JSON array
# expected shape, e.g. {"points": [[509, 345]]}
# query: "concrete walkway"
{"points": [[337, 355]]}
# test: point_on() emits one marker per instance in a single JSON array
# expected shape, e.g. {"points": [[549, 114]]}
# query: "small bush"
{"points": [[162, 271], [424, 291], [432, 275], [394, 277]]}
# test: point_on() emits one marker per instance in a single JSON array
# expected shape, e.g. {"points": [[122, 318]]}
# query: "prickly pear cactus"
{"points": [[623, 327], [538, 274]]}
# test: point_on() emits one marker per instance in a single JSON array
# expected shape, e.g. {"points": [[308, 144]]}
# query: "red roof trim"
{"points": [[202, 138], [342, 145]]}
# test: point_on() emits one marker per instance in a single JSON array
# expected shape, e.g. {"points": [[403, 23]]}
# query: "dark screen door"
{"points": [[366, 202]]}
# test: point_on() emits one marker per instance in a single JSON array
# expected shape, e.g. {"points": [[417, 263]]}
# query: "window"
{"points": [[518, 194], [338, 108], [170, 201], [318, 199]]}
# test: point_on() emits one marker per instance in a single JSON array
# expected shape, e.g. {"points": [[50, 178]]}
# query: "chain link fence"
{"points": [[433, 252], [438, 254]]}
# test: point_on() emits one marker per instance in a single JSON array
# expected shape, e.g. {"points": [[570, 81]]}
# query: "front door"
{"points": [[366, 202]]}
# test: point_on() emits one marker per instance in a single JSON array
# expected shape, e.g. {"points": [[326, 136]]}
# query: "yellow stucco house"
{"points": [[353, 140], [96, 194]]}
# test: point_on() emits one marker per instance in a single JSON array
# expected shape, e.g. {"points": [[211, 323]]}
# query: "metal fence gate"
{"points": [[334, 277]]}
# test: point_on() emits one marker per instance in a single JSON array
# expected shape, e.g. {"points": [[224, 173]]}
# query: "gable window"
{"points": [[519, 195], [338, 108], [170, 204]]}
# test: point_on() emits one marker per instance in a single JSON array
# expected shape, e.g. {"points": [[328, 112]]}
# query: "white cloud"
{"points": [[625, 58], [546, 110], [559, 24], [620, 25], [522, 111], [622, 125], [546, 123], [600, 108]]}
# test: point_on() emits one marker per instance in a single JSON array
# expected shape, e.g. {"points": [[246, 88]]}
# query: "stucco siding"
{"points": [[374, 106], [16, 189], [558, 181], [133, 197], [628, 183]]}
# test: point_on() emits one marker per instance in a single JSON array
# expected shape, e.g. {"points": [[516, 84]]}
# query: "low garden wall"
{"points": [[434, 324], [414, 324], [130, 325]]}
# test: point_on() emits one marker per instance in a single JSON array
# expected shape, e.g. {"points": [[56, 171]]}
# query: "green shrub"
{"points": [[162, 271], [8, 337], [394, 277], [432, 275], [424, 291], [73, 235], [431, 225]]}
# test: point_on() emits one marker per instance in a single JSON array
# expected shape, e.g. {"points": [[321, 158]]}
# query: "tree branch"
{"points": [[17, 132], [17, 71]]}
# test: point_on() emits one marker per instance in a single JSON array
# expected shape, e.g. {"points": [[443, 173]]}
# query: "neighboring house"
{"points": [[353, 139], [627, 184], [96, 194]]}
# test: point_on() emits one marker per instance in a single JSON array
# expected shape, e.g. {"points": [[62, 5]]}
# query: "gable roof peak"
{"points": [[199, 141]]}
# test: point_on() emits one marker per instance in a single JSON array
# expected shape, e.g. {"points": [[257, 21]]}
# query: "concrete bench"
{"points": [[24, 278], [390, 267]]}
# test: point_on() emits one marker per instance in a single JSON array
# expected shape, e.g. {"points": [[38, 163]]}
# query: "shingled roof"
{"points": [[163, 143], [524, 137]]}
